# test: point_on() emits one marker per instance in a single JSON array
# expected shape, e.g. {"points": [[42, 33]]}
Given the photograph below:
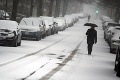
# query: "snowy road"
{"points": [[34, 59]]}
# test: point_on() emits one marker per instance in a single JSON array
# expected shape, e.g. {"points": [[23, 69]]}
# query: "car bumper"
{"points": [[6, 39], [29, 34]]}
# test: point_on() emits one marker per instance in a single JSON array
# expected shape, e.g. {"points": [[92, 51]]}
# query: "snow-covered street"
{"points": [[99, 66], [62, 56]]}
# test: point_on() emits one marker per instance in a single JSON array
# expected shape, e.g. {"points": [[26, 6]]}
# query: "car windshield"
{"points": [[7, 25], [49, 19], [30, 22]]}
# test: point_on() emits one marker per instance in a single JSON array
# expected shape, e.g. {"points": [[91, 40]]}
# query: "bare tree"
{"points": [[40, 8], [51, 8], [57, 8], [14, 10], [65, 5], [31, 7], [112, 4]]}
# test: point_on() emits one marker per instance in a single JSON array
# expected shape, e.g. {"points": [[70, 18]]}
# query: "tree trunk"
{"points": [[65, 5], [40, 8], [22, 6], [31, 7], [117, 17], [51, 8], [14, 10], [57, 8]]}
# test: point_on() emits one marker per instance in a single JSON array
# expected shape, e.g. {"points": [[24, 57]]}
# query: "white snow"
{"points": [[53, 50], [99, 66]]}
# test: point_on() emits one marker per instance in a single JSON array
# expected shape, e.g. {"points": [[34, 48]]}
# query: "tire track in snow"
{"points": [[20, 58], [3, 64], [64, 62]]}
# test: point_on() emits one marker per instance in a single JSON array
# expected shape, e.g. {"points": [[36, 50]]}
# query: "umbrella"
{"points": [[90, 24]]}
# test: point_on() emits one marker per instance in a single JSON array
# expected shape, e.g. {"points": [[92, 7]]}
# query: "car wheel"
{"points": [[38, 37], [57, 32], [45, 35], [116, 63], [19, 44], [14, 43], [118, 68]]}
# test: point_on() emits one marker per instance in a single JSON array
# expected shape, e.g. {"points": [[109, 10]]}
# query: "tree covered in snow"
{"points": [[113, 4]]}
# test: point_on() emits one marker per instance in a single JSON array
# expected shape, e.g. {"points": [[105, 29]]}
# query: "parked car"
{"points": [[32, 28], [10, 32], [51, 23], [4, 15], [75, 17], [107, 24], [115, 39], [48, 28], [81, 15], [108, 27], [117, 60], [69, 20], [105, 19], [56, 26], [108, 34], [61, 23]]}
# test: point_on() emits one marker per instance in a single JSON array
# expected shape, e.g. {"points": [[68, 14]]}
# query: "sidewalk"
{"points": [[99, 66]]}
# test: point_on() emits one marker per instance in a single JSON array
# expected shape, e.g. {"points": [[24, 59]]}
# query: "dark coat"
{"points": [[91, 36]]}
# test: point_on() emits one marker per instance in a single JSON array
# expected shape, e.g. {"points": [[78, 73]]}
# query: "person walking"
{"points": [[91, 38]]}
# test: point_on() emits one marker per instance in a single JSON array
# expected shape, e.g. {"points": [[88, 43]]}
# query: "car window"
{"points": [[26, 22], [49, 19]]}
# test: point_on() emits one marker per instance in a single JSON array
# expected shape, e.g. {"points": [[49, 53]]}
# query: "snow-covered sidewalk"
{"points": [[99, 66]]}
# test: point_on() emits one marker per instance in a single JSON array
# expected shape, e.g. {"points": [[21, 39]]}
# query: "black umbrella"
{"points": [[90, 24]]}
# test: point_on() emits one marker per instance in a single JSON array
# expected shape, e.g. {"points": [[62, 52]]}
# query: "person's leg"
{"points": [[90, 48]]}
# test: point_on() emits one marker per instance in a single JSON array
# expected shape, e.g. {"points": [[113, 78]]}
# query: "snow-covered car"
{"points": [[105, 19], [51, 23], [75, 17], [61, 23], [115, 39], [108, 28], [108, 34], [117, 61], [107, 24], [48, 28], [56, 26], [69, 20], [32, 28], [81, 15], [10, 32], [4, 15]]}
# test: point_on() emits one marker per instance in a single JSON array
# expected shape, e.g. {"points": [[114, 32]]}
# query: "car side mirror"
{"points": [[119, 37]]}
